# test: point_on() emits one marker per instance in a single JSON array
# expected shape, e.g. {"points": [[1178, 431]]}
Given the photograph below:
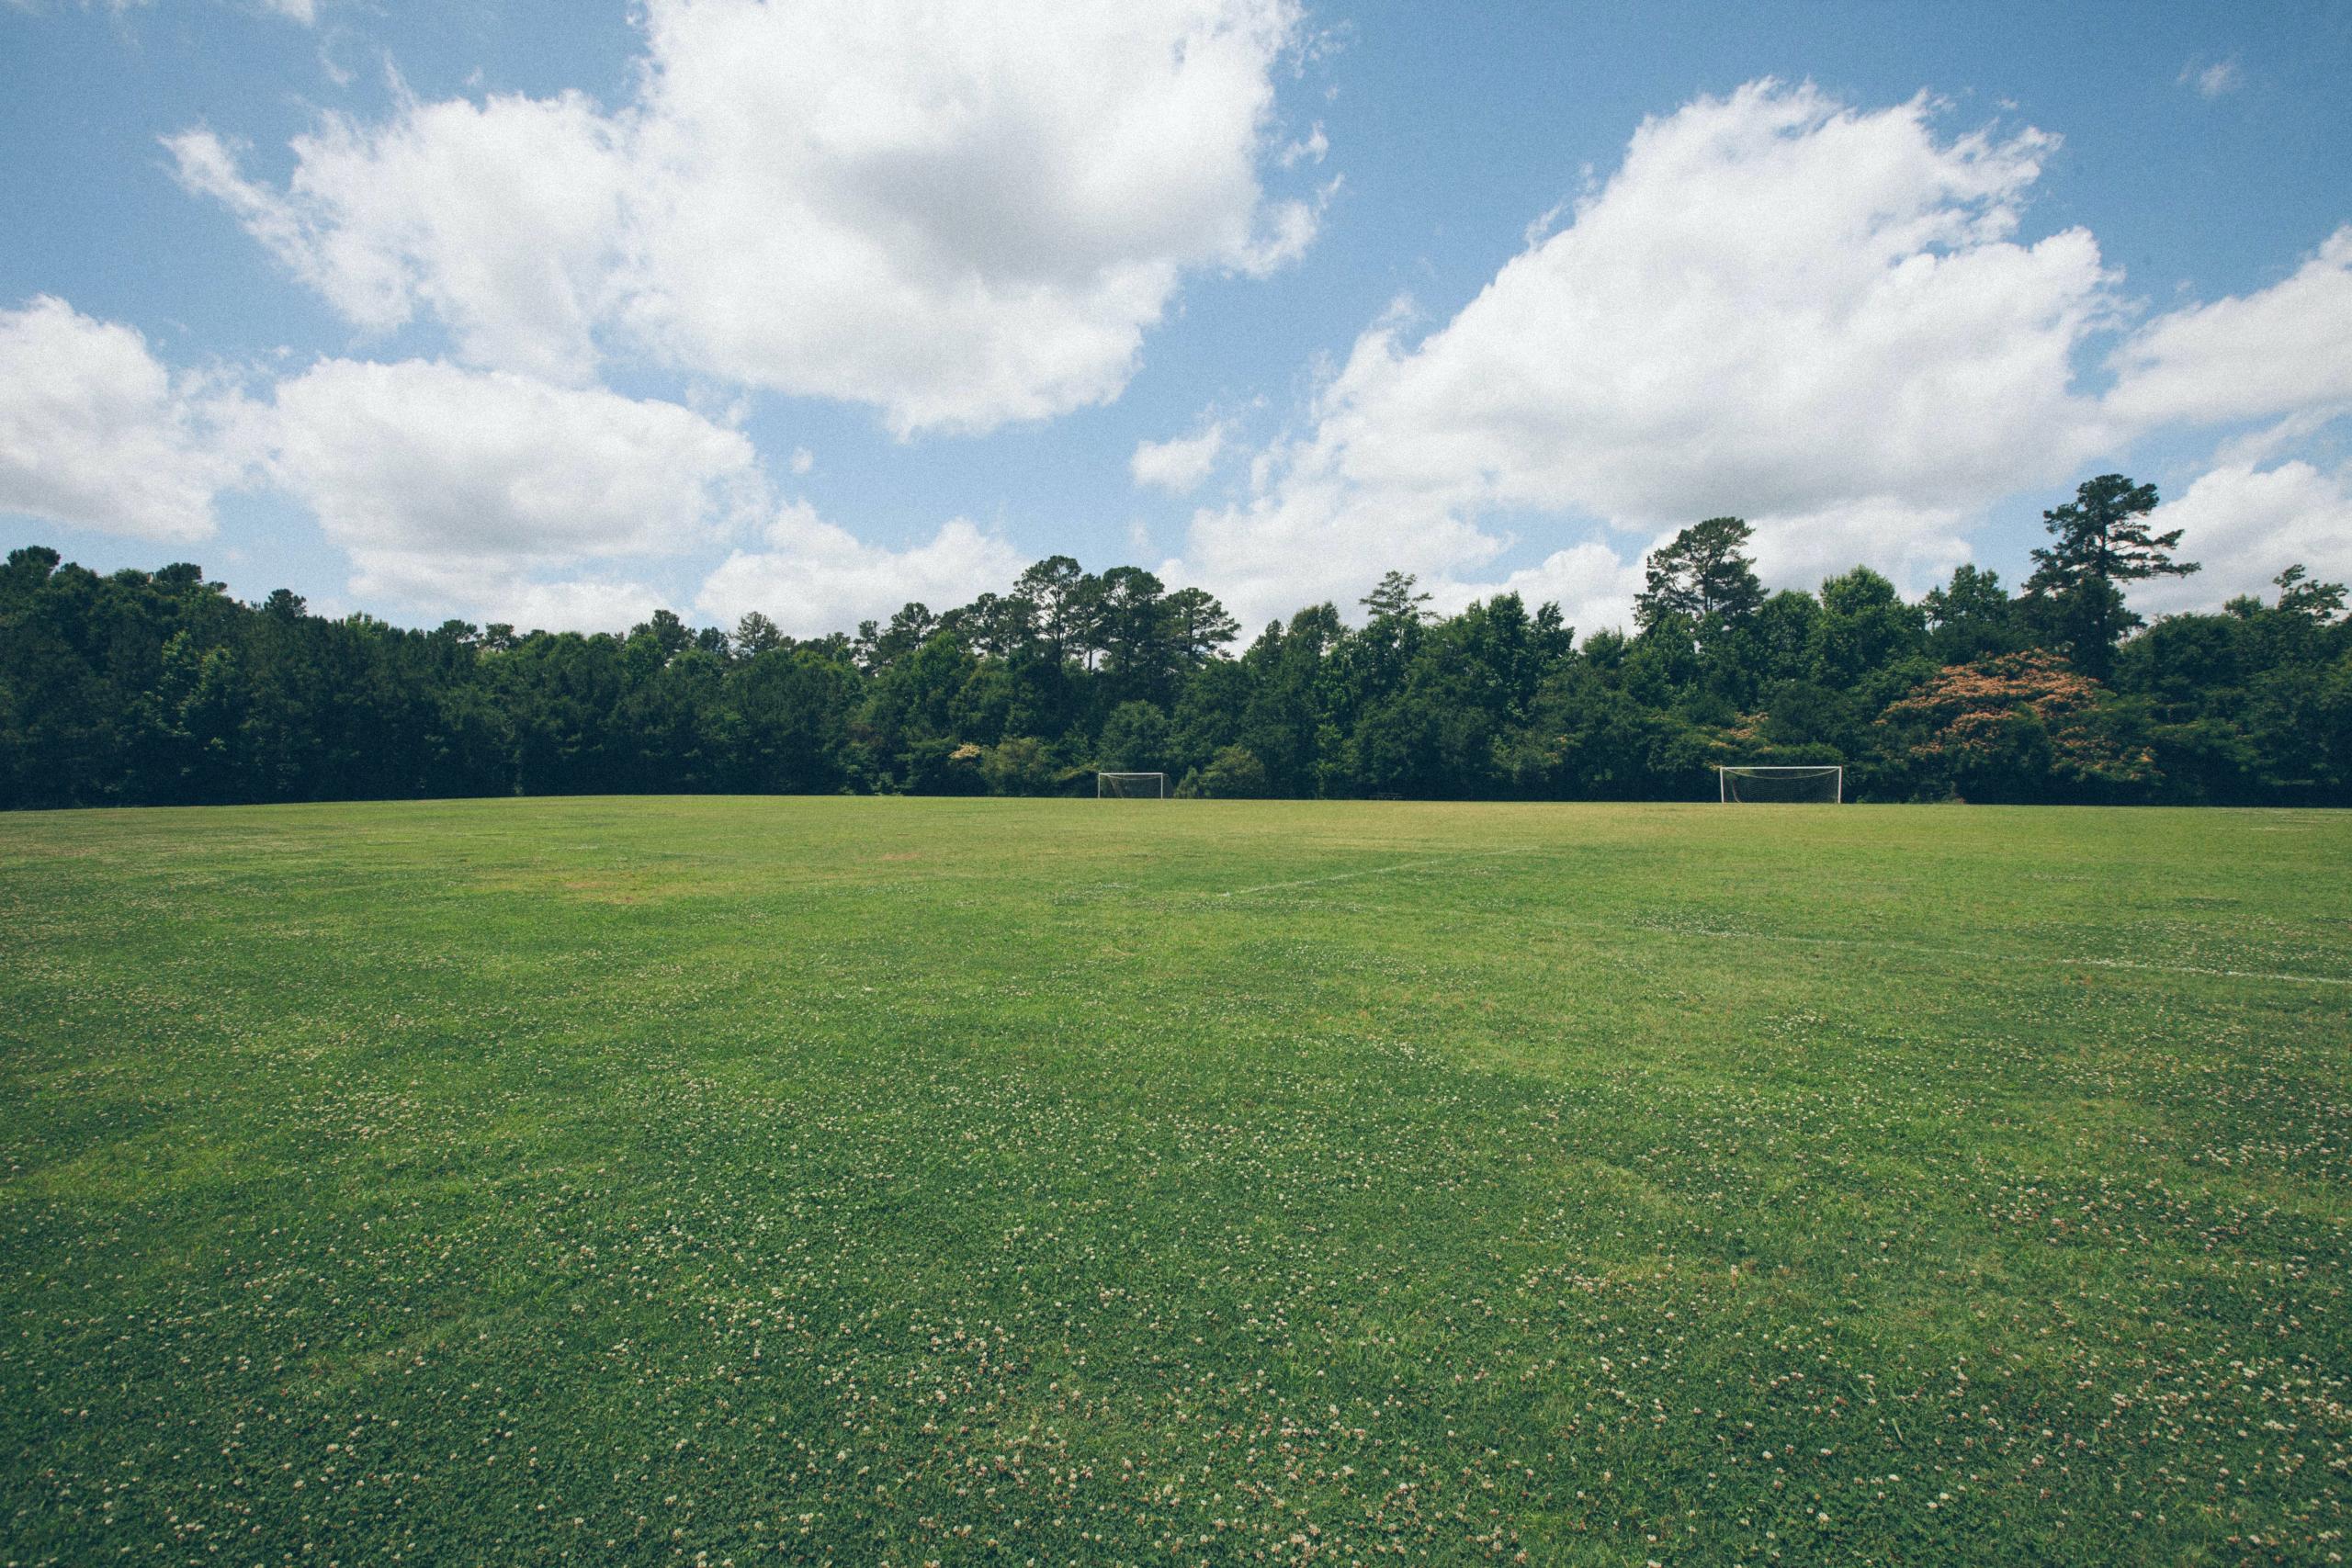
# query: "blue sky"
{"points": [[550, 314]]}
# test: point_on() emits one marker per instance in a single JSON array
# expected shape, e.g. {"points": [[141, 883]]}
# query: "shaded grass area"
{"points": [[873, 1180]]}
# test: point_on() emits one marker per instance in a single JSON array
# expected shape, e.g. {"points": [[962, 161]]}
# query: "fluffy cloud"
{"points": [[500, 219], [449, 486], [451, 490], [812, 577], [1917, 546], [962, 214], [579, 604], [2246, 524], [1779, 306], [1820, 318], [95, 432], [1592, 584], [1778, 303], [2285, 348], [1816, 318], [1179, 463], [1311, 533]]}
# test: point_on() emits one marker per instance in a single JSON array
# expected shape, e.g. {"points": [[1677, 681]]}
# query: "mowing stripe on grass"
{"points": [[2002, 957], [1937, 949], [1368, 871], [2196, 969]]}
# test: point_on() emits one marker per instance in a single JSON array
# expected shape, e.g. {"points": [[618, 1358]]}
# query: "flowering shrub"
{"points": [[2018, 727]]}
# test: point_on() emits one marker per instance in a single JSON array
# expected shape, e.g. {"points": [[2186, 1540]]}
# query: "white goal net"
{"points": [[1131, 786], [1802, 784]]}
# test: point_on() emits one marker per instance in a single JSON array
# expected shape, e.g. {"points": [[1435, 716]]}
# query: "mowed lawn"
{"points": [[894, 1181]]}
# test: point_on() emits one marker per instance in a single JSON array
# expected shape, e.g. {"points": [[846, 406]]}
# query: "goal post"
{"points": [[1800, 783], [1131, 786]]}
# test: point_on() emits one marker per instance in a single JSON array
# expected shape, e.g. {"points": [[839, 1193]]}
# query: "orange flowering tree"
{"points": [[2018, 727]]}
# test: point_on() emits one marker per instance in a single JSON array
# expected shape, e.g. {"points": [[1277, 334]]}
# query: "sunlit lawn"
{"points": [[895, 1181]]}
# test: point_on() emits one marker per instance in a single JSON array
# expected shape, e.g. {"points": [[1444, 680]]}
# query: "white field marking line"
{"points": [[1977, 952], [2004, 957], [2198, 969], [1369, 871]]}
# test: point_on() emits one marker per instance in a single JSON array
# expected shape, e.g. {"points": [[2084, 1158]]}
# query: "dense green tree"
{"points": [[1198, 627], [1132, 631], [1059, 597], [1972, 617], [1209, 715], [680, 730], [1135, 739], [908, 710], [755, 635], [2103, 543], [1741, 663], [1703, 578], [1864, 625], [1235, 773], [1019, 764], [795, 704], [140, 687], [996, 625], [1288, 698], [2300, 596], [909, 628]]}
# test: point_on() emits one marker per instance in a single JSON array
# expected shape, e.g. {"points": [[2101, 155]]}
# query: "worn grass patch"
{"points": [[1120, 1182]]}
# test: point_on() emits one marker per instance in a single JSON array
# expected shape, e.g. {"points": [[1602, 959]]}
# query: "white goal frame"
{"points": [[1112, 786], [1830, 771]]}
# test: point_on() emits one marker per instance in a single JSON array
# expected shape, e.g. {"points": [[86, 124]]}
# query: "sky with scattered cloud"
{"points": [[555, 314]]}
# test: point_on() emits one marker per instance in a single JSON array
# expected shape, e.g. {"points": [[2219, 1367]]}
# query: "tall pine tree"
{"points": [[2103, 542], [1703, 576]]}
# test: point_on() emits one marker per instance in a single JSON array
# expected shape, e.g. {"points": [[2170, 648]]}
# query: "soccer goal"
{"points": [[1131, 786], [1820, 784]]}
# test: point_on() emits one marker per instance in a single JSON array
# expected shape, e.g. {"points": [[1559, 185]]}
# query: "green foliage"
{"points": [[1135, 740], [2019, 727], [2314, 601], [1972, 617], [1019, 764], [1234, 774], [1864, 625], [1703, 577], [2103, 542], [143, 688]]}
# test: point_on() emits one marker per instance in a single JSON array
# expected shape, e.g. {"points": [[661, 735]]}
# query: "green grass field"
{"points": [[900, 1181]]}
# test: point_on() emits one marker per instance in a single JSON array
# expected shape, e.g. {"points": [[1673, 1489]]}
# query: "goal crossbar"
{"points": [[1781, 781], [1131, 786]]}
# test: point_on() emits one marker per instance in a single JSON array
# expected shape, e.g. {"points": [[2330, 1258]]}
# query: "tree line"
{"points": [[158, 688]]}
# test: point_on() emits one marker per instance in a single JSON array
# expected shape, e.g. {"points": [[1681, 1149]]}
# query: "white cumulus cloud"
{"points": [[2285, 348], [2244, 524], [1592, 584], [575, 605], [500, 219], [95, 432], [1179, 463], [1779, 306], [456, 487], [963, 214], [812, 577]]}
